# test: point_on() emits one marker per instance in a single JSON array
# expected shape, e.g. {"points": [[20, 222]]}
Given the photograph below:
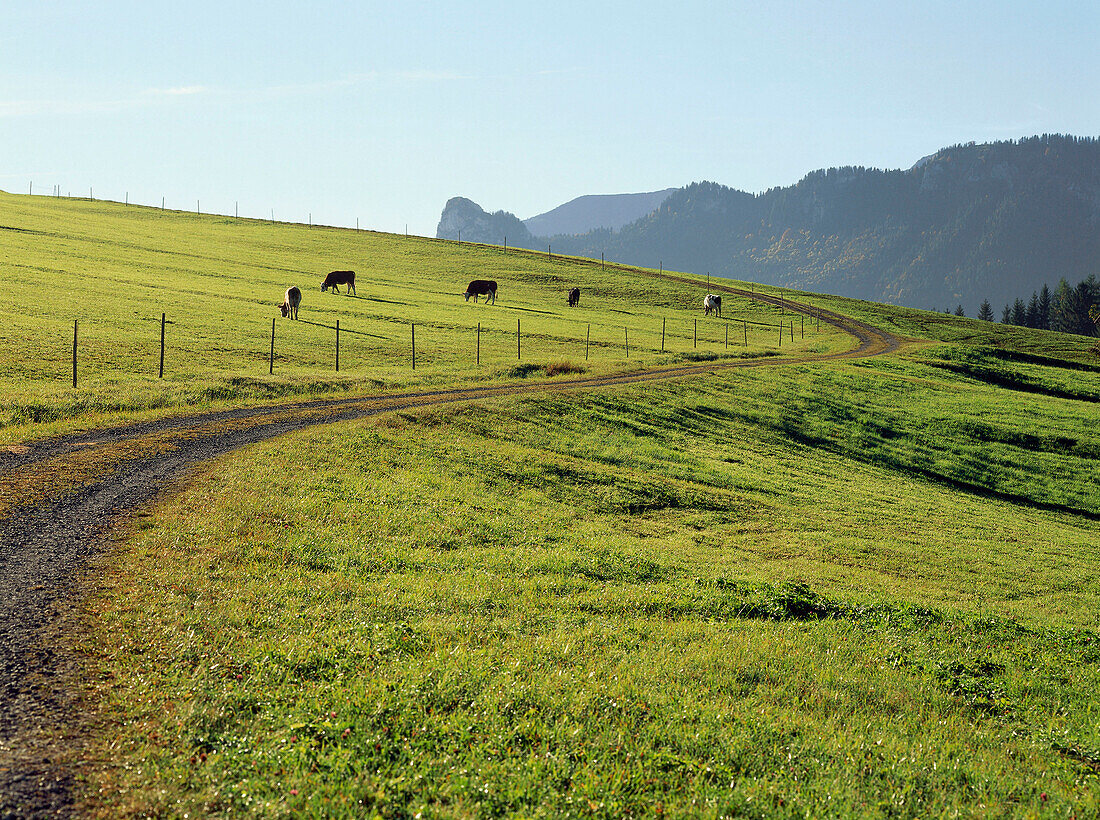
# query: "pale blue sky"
{"points": [[383, 111]]}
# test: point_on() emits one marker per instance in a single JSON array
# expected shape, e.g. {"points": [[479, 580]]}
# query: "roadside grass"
{"points": [[942, 327], [848, 590], [115, 269]]}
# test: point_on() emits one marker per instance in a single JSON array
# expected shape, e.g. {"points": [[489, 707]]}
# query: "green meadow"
{"points": [[820, 591], [865, 588], [115, 269]]}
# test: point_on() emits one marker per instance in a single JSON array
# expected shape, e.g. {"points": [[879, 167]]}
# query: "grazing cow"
{"points": [[482, 287], [574, 297], [340, 277], [291, 299], [712, 302]]}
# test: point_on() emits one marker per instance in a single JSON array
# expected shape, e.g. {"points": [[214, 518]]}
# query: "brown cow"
{"points": [[291, 299], [574, 297]]}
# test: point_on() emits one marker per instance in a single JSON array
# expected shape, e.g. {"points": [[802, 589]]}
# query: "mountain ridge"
{"points": [[585, 213], [966, 223]]}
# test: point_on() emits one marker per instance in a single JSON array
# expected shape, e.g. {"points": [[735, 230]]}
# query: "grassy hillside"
{"points": [[847, 589], [115, 269]]}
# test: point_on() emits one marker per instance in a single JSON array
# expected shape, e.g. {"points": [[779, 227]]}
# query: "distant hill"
{"points": [[586, 213], [967, 223], [462, 218], [465, 220]]}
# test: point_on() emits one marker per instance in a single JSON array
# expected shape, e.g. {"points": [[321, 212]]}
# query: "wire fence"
{"points": [[427, 343]]}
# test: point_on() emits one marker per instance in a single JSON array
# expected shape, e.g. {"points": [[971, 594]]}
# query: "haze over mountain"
{"points": [[967, 223], [464, 219], [586, 213]]}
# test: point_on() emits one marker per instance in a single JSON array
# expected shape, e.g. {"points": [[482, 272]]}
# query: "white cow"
{"points": [[291, 299], [712, 302]]}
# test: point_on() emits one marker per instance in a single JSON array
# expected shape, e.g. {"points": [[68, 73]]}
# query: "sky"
{"points": [[381, 112]]}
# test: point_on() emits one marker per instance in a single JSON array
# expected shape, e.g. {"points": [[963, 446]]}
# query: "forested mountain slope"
{"points": [[968, 223]]}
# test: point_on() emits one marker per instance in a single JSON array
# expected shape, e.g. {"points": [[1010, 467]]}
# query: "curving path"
{"points": [[59, 498]]}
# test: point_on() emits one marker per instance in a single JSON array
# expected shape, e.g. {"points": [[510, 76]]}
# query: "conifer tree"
{"points": [[985, 312], [959, 310], [1062, 307], [1044, 308], [1006, 315], [1032, 317], [1019, 313]]}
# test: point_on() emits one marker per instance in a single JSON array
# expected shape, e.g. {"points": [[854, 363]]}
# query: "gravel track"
{"points": [[46, 542]]}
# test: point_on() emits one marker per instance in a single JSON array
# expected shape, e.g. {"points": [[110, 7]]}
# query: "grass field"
{"points": [[115, 269], [644, 601], [847, 589]]}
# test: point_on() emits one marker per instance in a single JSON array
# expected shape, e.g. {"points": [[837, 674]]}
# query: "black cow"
{"points": [[574, 297], [340, 277], [482, 287]]}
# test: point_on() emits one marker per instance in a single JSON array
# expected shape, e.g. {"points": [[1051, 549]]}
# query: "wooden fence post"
{"points": [[803, 327], [587, 335], [74, 353], [414, 344], [727, 335], [626, 335], [792, 330], [517, 340], [695, 335], [337, 345], [780, 334], [746, 324], [271, 358], [161, 376], [479, 343], [662, 335]]}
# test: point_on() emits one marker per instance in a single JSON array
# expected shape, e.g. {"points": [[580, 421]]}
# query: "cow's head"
{"points": [[467, 295], [284, 309], [324, 286]]}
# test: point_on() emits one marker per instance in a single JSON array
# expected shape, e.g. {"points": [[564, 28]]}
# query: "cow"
{"points": [[291, 299], [340, 277], [482, 287], [712, 302], [574, 297]]}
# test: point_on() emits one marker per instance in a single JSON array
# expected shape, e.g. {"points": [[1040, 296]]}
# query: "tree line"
{"points": [[1068, 309]]}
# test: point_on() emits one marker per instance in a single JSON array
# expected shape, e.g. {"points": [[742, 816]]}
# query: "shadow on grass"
{"points": [[343, 329]]}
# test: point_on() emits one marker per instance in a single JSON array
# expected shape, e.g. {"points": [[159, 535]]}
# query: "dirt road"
{"points": [[60, 498]]}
